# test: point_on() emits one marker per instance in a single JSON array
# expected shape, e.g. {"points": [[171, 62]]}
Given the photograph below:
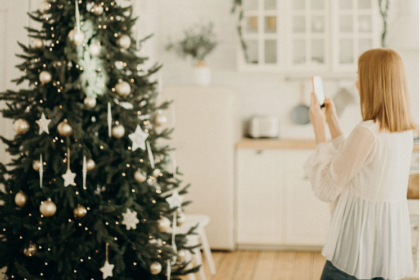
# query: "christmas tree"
{"points": [[90, 193]]}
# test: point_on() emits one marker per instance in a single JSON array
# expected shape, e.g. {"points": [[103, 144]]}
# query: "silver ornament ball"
{"points": [[36, 165], [37, 43], [90, 102], [48, 208], [90, 165], [123, 88], [140, 176], [156, 173], [45, 77], [97, 9], [155, 268], [118, 131], [44, 6], [76, 36], [64, 129], [180, 218], [124, 41], [163, 224], [95, 49], [21, 126], [151, 181], [182, 255]]}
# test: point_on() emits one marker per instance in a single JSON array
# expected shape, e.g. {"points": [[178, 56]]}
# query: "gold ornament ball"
{"points": [[21, 198], [97, 9], [160, 119], [44, 6], [76, 36], [64, 129], [155, 268], [95, 49], [123, 88], [182, 254], [21, 126], [140, 176], [31, 250], [80, 211], [118, 131], [90, 165], [180, 219], [45, 77], [163, 224], [90, 102], [36, 165], [124, 41], [37, 43], [47, 208], [156, 172]]}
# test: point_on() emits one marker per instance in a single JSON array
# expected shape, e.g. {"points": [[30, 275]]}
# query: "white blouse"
{"points": [[366, 176]]}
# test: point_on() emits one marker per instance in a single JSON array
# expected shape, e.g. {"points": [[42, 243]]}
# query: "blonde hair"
{"points": [[383, 90]]}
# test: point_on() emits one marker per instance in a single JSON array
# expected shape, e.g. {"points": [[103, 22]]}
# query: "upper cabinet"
{"points": [[299, 36]]}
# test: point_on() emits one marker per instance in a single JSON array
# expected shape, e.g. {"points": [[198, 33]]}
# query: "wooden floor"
{"points": [[266, 265]]}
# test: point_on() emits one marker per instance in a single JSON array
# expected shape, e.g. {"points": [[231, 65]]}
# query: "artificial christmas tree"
{"points": [[88, 193]]}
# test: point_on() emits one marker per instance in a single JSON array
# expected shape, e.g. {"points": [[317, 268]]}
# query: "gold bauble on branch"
{"points": [[118, 131], [64, 129], [124, 41], [182, 255], [163, 224], [160, 119], [21, 198], [90, 165], [37, 44], [31, 250], [45, 77], [80, 211], [155, 268], [140, 176], [90, 102], [44, 6], [21, 126], [156, 173], [47, 208], [76, 37], [36, 165], [180, 218], [123, 88], [97, 9], [95, 49]]}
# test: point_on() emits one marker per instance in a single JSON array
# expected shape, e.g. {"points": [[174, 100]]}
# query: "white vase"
{"points": [[202, 74]]}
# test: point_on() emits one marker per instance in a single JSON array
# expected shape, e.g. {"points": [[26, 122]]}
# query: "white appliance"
{"points": [[263, 126], [206, 131]]}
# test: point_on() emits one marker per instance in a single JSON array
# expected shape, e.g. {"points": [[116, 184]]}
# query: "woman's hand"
{"points": [[318, 118], [330, 111]]}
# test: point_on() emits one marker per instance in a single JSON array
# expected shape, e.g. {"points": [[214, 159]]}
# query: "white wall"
{"points": [[258, 93]]}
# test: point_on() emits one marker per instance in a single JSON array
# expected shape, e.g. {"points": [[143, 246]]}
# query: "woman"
{"points": [[366, 175]]}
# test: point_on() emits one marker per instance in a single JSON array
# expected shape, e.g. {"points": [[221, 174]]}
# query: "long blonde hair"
{"points": [[384, 94]]}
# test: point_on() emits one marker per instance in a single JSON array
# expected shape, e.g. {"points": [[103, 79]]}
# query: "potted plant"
{"points": [[198, 42]]}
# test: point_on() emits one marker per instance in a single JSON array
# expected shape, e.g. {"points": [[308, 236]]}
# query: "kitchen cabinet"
{"points": [[275, 202]]}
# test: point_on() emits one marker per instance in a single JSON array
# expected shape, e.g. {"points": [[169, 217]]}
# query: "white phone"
{"points": [[318, 88]]}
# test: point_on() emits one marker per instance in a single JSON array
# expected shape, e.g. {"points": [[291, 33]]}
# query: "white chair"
{"points": [[201, 237]]}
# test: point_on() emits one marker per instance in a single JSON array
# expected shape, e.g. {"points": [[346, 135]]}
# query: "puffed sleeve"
{"points": [[334, 164]]}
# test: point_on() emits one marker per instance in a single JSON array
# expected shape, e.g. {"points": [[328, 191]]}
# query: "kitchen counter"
{"points": [[265, 144]]}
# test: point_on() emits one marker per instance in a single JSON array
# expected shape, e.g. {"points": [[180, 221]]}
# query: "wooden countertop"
{"points": [[265, 144]]}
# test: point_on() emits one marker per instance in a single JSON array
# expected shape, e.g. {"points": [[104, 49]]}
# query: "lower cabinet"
{"points": [[275, 202]]}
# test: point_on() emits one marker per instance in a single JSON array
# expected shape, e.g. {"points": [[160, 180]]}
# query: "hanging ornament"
{"points": [[109, 119], [140, 176], [21, 198], [57, 64], [43, 124], [90, 165], [31, 250], [164, 224], [151, 181], [84, 172], [160, 119], [90, 102], [181, 218], [44, 6], [118, 131], [45, 77], [107, 268], [64, 129], [97, 9], [21, 126], [155, 268], [68, 176], [41, 170], [130, 219], [138, 138], [80, 211], [76, 36], [168, 269], [47, 208], [36, 164], [124, 41], [174, 201], [182, 255], [150, 154], [37, 44], [156, 173], [123, 88], [95, 49]]}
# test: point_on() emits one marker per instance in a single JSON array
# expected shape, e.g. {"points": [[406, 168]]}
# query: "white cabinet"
{"points": [[275, 202]]}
